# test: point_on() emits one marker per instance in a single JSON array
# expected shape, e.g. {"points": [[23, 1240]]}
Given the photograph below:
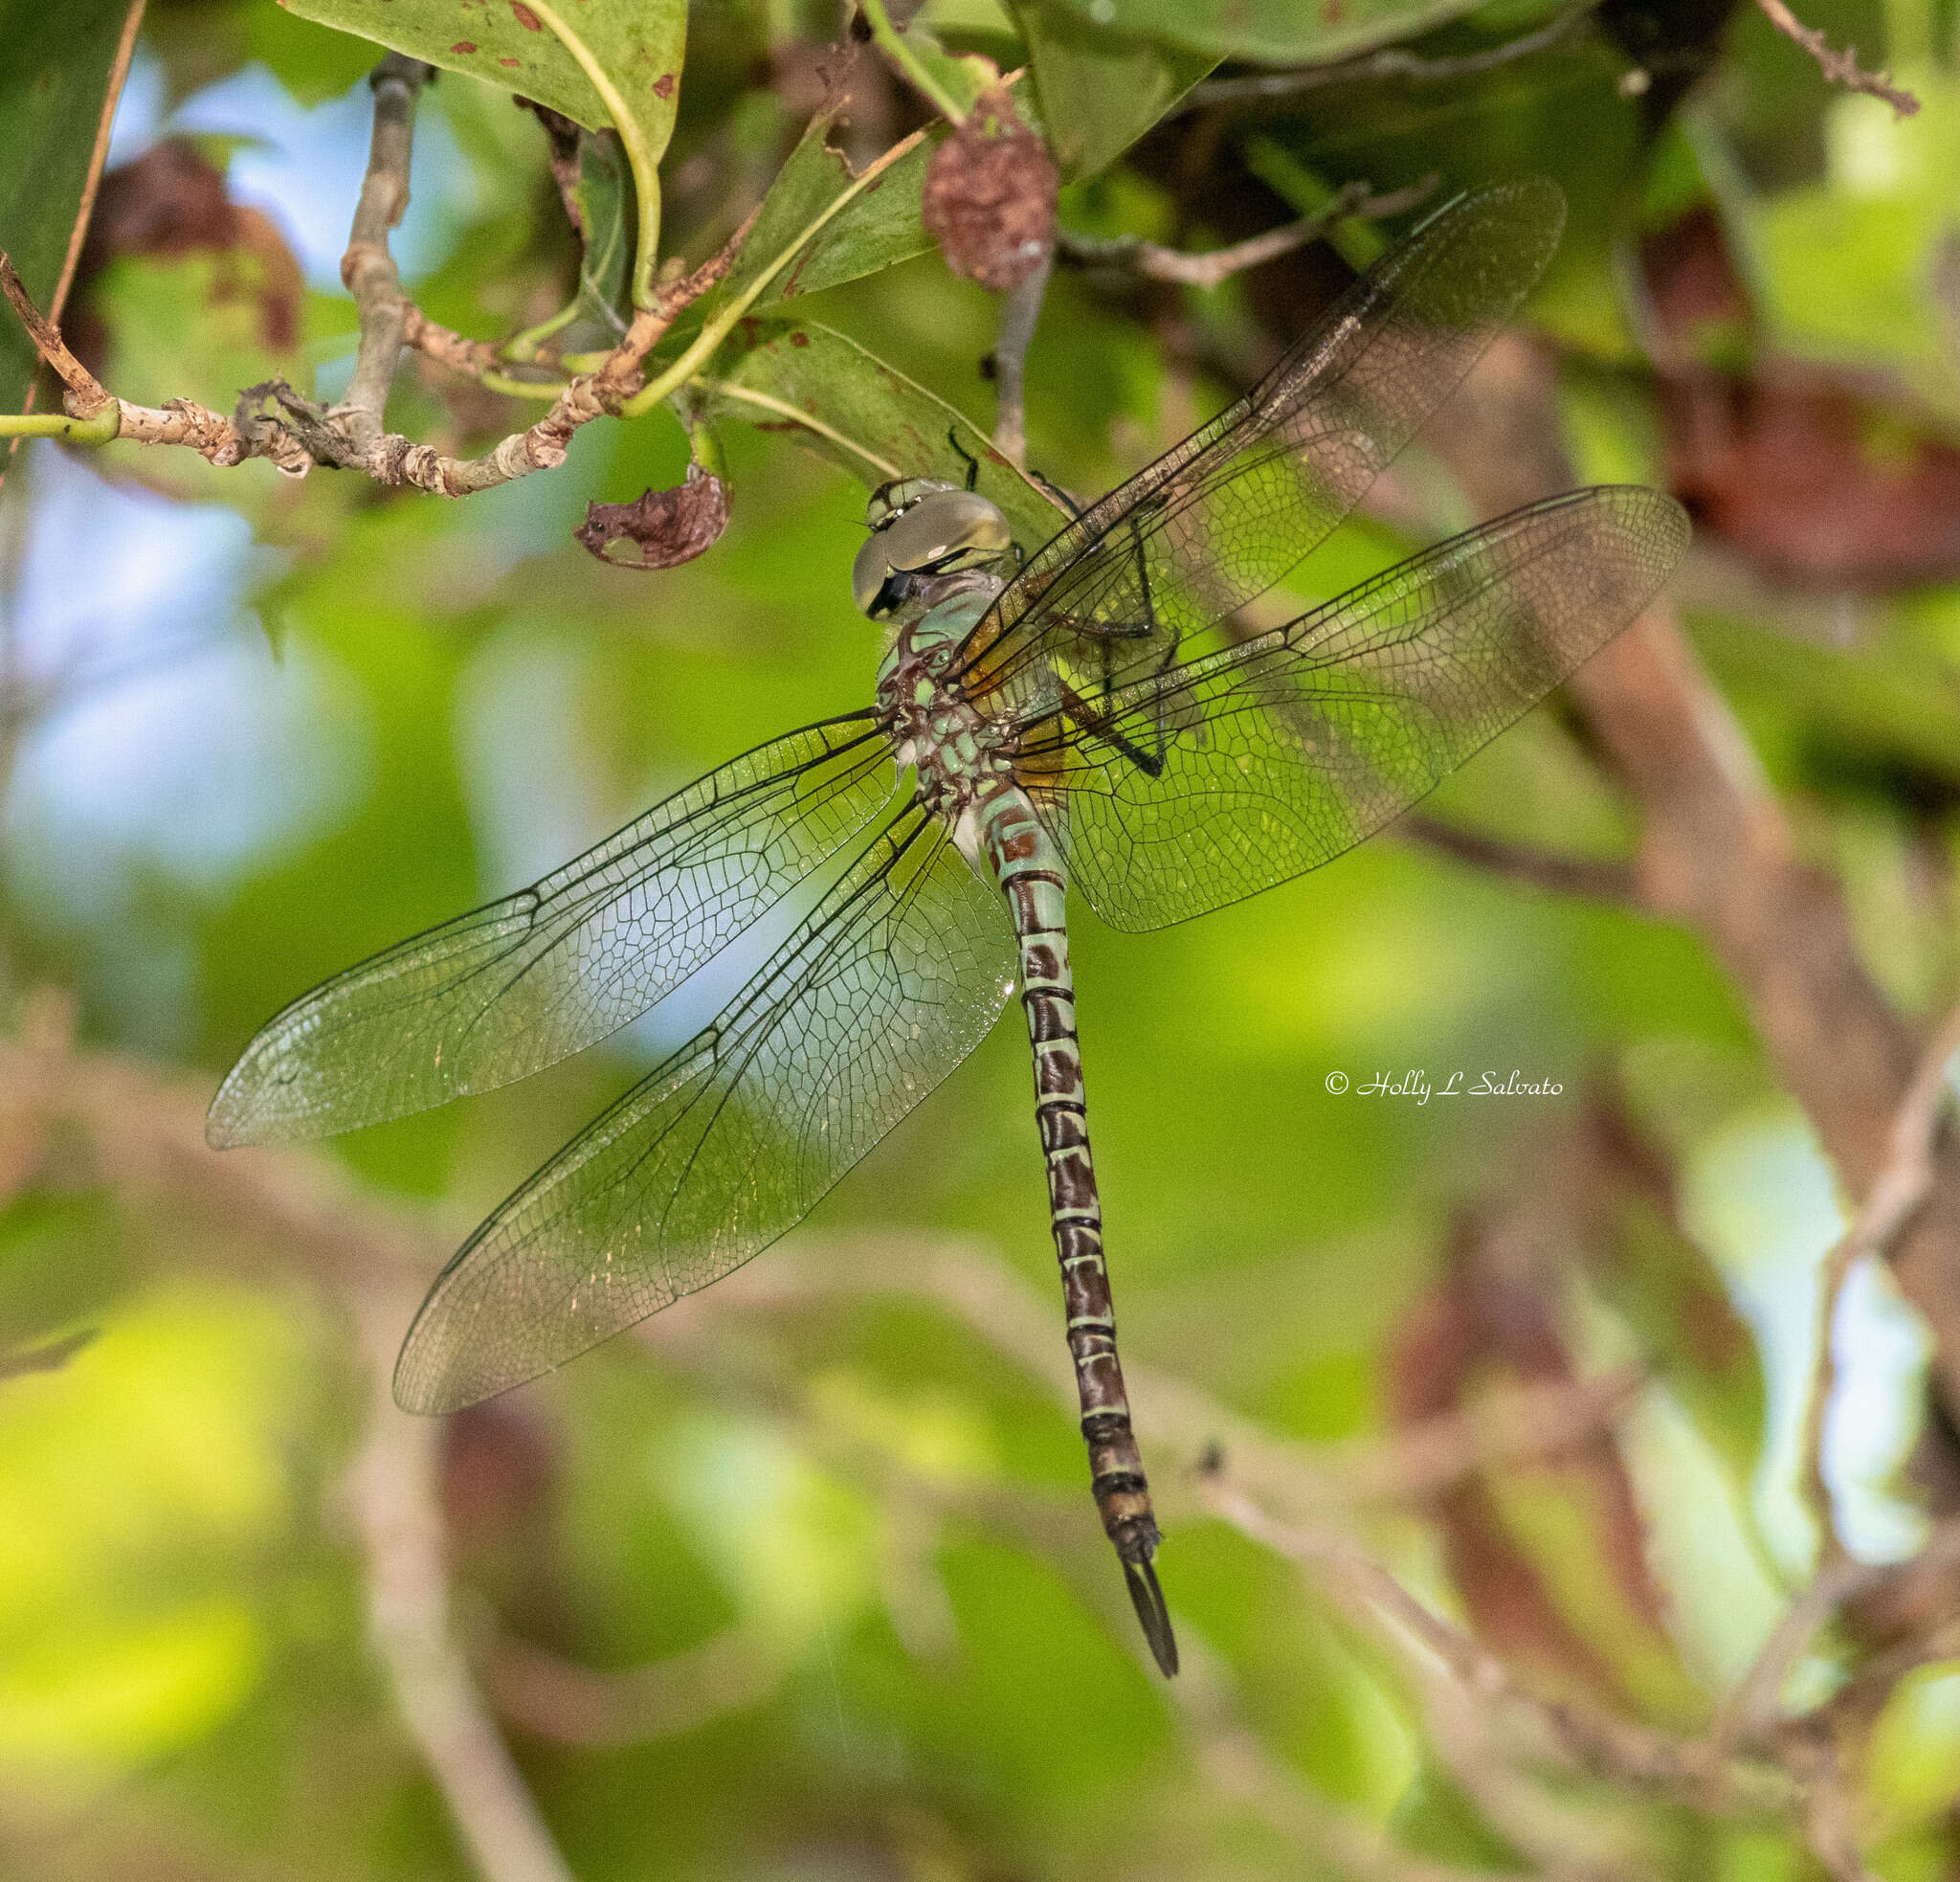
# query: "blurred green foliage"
{"points": [[409, 704]]}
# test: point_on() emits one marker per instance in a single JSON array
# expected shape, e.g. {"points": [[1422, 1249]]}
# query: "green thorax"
{"points": [[955, 748]]}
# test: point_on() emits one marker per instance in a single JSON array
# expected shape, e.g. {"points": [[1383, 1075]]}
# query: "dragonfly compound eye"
{"points": [[891, 501], [936, 532]]}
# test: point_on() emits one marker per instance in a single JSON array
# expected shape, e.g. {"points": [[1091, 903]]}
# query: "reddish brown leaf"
{"points": [[172, 202], [990, 196], [659, 529], [500, 1467], [1490, 1318], [1821, 477], [1694, 288], [1819, 487]]}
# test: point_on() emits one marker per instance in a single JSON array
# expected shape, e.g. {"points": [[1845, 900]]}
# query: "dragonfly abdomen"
{"points": [[1022, 858]]}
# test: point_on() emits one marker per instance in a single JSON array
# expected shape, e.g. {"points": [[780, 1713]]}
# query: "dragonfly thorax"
{"points": [[935, 729]]}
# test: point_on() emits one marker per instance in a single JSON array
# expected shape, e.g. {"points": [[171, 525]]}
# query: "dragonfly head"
{"points": [[921, 530]]}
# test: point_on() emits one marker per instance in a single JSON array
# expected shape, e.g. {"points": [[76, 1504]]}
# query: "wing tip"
{"points": [[251, 1108], [235, 1118], [1658, 523], [421, 1395], [1534, 202]]}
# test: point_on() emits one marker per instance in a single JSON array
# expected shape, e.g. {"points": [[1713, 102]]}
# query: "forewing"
{"points": [[889, 984], [1218, 520], [500, 992], [1248, 767]]}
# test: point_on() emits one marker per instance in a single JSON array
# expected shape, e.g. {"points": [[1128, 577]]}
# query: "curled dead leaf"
{"points": [[990, 196], [659, 529]]}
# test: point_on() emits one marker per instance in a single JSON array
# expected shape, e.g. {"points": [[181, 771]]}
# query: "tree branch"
{"points": [[1718, 856], [1558, 874], [1155, 262], [1838, 68], [571, 1705], [143, 1135], [367, 267], [1688, 1771], [1894, 1196], [393, 1488], [1392, 62], [296, 433], [1749, 1715]]}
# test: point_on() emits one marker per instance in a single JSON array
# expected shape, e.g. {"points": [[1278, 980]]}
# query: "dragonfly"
{"points": [[1103, 713]]}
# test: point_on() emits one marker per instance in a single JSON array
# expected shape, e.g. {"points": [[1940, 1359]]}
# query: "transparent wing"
{"points": [[1253, 765], [893, 980], [511, 988], [1218, 520]]}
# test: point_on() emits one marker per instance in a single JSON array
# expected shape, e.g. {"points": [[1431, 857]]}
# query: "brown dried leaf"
{"points": [[172, 202], [1823, 478], [1696, 291], [1491, 1318], [563, 135], [1818, 483], [659, 529], [990, 196]]}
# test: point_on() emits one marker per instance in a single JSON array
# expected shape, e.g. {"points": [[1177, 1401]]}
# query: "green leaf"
{"points": [[605, 203], [1276, 31], [638, 43], [851, 407], [60, 69], [879, 226], [962, 75], [603, 64], [1100, 91], [780, 258]]}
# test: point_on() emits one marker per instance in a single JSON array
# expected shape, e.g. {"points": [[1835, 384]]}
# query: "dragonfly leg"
{"points": [[1028, 868], [1082, 713]]}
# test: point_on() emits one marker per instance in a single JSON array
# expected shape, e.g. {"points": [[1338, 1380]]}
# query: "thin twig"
{"points": [[1508, 1424], [97, 416], [968, 1282], [448, 347], [1749, 1713], [1838, 68], [58, 300], [50, 1356], [552, 1698], [1020, 313], [1155, 262], [1889, 1204], [1390, 64], [1559, 875], [367, 268], [1688, 1770], [906, 62], [396, 1505], [86, 393], [1239, 1764]]}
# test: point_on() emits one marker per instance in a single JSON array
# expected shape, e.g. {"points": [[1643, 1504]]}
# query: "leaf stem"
{"points": [[503, 381], [728, 389], [892, 42], [524, 346], [99, 430], [639, 155], [720, 325]]}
